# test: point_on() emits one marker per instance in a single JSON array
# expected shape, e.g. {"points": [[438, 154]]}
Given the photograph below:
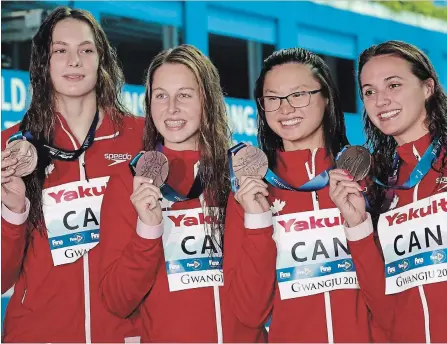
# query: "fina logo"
{"points": [[437, 257], [77, 238], [404, 265]]}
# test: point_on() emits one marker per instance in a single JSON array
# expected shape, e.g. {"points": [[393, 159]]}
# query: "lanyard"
{"points": [[58, 153], [167, 191], [418, 173], [317, 183]]}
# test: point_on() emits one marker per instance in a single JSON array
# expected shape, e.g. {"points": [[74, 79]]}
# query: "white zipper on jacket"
{"points": [[85, 267], [421, 287], [216, 289], [85, 262], [327, 297]]}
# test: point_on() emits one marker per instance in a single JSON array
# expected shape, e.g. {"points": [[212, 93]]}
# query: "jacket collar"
{"points": [[411, 152], [64, 138]]}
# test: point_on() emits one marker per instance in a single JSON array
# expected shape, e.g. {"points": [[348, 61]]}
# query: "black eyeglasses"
{"points": [[296, 100]]}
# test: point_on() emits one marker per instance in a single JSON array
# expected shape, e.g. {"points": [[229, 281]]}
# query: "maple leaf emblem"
{"points": [[277, 206]]}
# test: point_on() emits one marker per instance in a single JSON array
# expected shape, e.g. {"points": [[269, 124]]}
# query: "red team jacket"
{"points": [[417, 314], [134, 272], [62, 303], [251, 274]]}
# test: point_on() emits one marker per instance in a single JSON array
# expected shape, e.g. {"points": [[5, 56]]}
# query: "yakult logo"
{"points": [[416, 213], [183, 220], [80, 192], [312, 222]]}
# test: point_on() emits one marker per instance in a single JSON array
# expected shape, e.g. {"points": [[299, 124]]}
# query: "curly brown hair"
{"points": [[384, 146], [40, 118]]}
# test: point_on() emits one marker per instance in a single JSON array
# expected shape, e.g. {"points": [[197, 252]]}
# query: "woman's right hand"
{"points": [[145, 199], [13, 188], [347, 196], [252, 195]]}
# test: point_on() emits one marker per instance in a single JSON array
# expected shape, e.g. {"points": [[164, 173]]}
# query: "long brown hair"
{"points": [[40, 117], [214, 134], [384, 146]]}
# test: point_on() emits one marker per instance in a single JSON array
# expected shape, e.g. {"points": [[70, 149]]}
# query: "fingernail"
{"points": [[151, 181]]}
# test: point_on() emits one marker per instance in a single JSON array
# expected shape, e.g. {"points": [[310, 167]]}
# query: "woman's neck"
{"points": [[313, 141], [79, 113], [410, 136]]}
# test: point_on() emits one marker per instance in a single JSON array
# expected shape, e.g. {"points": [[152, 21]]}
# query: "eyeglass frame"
{"points": [[310, 93]]}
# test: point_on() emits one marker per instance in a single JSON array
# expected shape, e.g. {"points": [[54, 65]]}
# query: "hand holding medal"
{"points": [[26, 155], [250, 165], [353, 164], [151, 170], [13, 187]]}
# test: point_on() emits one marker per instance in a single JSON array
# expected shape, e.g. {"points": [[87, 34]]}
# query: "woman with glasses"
{"points": [[405, 280], [315, 296]]}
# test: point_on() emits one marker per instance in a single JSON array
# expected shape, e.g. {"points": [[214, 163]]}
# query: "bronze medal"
{"points": [[153, 165], [26, 154], [356, 160], [250, 161]]}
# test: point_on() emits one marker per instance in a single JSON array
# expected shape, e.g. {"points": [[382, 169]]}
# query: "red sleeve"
{"points": [[370, 269], [129, 263], [13, 240], [13, 250], [249, 267]]}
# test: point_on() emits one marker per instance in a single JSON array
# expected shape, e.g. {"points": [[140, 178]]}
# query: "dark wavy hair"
{"points": [[214, 133], [334, 131], [40, 117], [384, 146]]}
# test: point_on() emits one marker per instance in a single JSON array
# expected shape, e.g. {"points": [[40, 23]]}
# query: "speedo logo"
{"points": [[443, 182], [117, 158]]}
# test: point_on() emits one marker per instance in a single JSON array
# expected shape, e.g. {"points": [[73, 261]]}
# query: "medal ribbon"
{"points": [[58, 153], [317, 183], [166, 190]]}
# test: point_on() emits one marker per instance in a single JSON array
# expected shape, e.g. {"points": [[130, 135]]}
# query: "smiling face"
{"points": [[74, 59], [299, 128], [176, 106], [394, 97]]}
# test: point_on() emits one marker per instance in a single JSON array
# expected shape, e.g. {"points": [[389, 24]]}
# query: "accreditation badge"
{"points": [[313, 256], [414, 243], [71, 213], [193, 257]]}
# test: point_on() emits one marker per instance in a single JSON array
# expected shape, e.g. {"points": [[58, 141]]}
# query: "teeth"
{"points": [[175, 124], [389, 114], [292, 121]]}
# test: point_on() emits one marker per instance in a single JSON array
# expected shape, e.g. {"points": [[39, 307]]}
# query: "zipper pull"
{"points": [[85, 172]]}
